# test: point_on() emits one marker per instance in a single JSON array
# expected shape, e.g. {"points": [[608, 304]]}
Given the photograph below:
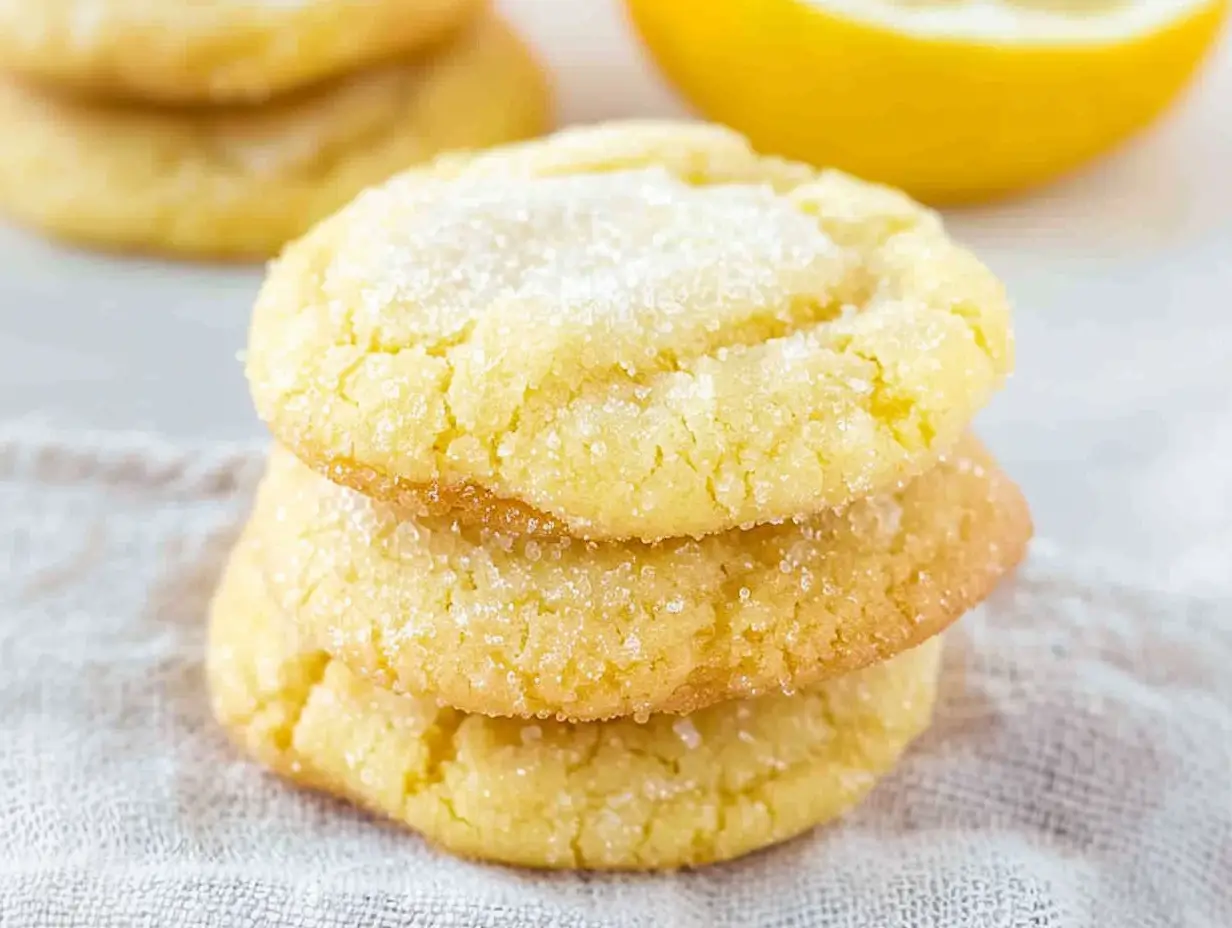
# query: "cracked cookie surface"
{"points": [[212, 50], [241, 181], [500, 624], [634, 331], [675, 791]]}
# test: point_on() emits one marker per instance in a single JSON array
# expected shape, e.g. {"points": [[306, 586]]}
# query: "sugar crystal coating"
{"points": [[607, 795], [505, 624], [636, 331]]}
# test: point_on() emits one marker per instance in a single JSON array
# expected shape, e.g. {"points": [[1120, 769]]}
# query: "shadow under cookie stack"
{"points": [[623, 489], [226, 129]]}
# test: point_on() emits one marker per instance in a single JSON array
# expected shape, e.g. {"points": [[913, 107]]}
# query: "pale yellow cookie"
{"points": [[213, 50], [508, 625], [635, 330], [242, 181], [676, 791]]}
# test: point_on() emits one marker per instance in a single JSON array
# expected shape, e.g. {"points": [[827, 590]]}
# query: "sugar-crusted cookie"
{"points": [[509, 625], [630, 331], [678, 790], [212, 50], [241, 181]]}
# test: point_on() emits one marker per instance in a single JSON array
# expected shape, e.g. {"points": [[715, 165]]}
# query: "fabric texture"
{"points": [[1079, 772]]}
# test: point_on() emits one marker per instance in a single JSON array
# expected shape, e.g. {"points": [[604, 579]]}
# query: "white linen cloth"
{"points": [[1079, 772]]}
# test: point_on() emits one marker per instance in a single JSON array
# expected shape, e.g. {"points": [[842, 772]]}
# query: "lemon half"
{"points": [[952, 100]]}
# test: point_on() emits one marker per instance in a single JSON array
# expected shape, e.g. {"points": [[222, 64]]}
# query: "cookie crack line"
{"points": [[284, 737], [442, 742], [861, 345]]}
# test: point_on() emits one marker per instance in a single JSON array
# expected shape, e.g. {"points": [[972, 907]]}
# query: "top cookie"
{"points": [[629, 331], [212, 50]]}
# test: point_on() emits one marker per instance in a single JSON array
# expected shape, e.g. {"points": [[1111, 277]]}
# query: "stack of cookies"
{"points": [[623, 486], [227, 128]]}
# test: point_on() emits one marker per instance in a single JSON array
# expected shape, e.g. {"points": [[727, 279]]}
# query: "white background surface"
{"points": [[1118, 422]]}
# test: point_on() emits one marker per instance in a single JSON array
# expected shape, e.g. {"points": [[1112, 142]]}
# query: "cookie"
{"points": [[675, 791], [212, 50], [241, 181], [501, 624], [630, 331]]}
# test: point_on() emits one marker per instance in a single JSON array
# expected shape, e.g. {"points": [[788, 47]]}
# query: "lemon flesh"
{"points": [[951, 100]]}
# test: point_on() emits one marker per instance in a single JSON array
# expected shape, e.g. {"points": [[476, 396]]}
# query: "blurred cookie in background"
{"points": [[213, 50], [240, 181]]}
